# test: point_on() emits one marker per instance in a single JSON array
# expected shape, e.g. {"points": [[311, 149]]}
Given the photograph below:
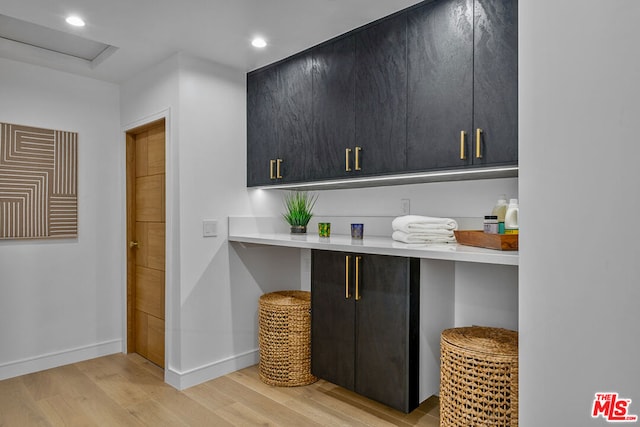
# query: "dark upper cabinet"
{"points": [[359, 102], [495, 80], [364, 325], [381, 97], [434, 87], [440, 84], [333, 107], [462, 89], [295, 117], [262, 134], [279, 122]]}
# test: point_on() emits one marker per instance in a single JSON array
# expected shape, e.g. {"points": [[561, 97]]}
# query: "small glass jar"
{"points": [[491, 224]]}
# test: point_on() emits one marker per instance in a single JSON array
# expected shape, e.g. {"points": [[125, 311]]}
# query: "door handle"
{"points": [[133, 244], [347, 151], [358, 149], [347, 261], [358, 296], [271, 163], [463, 137], [478, 143], [278, 174]]}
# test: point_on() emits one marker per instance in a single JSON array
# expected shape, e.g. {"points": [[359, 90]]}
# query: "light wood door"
{"points": [[146, 240]]}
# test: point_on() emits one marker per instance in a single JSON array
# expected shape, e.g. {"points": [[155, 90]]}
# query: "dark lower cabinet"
{"points": [[365, 323]]}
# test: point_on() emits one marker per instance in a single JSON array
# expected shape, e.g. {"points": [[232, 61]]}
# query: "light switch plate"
{"points": [[209, 228]]}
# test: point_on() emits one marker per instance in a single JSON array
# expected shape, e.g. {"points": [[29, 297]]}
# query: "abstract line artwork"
{"points": [[38, 183]]}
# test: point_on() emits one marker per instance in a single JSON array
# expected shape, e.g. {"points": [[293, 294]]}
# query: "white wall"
{"points": [[579, 175], [448, 199], [60, 300], [219, 296]]}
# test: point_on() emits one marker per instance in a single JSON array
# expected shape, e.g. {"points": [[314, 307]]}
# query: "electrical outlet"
{"points": [[405, 205]]}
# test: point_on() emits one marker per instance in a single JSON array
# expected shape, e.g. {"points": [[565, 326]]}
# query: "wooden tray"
{"points": [[501, 242]]}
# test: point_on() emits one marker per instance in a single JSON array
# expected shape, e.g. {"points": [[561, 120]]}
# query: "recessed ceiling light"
{"points": [[76, 21], [258, 42]]}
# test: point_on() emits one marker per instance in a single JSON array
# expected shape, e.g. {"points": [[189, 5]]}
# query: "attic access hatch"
{"points": [[29, 38]]}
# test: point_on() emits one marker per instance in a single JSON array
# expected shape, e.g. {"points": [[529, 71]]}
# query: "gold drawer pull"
{"points": [[358, 258], [478, 143], [347, 151], [358, 150], [347, 260], [278, 174], [271, 175], [463, 137]]}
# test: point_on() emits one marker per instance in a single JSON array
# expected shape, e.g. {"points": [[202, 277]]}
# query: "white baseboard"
{"points": [[60, 358], [186, 379]]}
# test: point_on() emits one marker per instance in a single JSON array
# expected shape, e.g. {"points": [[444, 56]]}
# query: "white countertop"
{"points": [[380, 246]]}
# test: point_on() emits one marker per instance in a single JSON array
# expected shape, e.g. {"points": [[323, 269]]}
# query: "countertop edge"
{"points": [[383, 246]]}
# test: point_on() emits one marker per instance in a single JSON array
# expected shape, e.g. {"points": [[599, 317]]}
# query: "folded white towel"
{"points": [[417, 223], [401, 236]]}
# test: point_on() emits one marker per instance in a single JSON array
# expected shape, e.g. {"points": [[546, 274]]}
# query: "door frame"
{"points": [[170, 227]]}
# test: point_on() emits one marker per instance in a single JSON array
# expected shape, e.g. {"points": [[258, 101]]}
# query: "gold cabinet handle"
{"points": [[463, 137], [271, 163], [278, 174], [358, 149], [347, 151], [133, 244], [347, 261], [478, 143], [358, 258]]}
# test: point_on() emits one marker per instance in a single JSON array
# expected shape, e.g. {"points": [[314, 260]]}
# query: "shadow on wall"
{"points": [[220, 314], [256, 270]]}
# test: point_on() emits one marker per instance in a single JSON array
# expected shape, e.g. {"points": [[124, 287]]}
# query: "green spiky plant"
{"points": [[299, 205]]}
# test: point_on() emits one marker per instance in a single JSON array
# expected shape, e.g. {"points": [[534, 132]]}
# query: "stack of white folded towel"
{"points": [[423, 229]]}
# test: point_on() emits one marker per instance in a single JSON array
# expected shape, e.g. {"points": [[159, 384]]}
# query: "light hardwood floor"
{"points": [[126, 390]]}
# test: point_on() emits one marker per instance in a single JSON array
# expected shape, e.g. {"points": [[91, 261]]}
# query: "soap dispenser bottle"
{"points": [[511, 218], [500, 210]]}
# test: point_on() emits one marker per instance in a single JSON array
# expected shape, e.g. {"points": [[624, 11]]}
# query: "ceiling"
{"points": [[146, 32]]}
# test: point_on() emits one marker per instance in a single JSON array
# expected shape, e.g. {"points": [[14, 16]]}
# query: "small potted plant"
{"points": [[299, 205]]}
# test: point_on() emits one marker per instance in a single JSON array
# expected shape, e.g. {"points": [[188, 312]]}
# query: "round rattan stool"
{"points": [[478, 377], [284, 319]]}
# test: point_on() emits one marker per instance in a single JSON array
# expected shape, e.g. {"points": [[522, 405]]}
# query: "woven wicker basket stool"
{"points": [[478, 377], [284, 319]]}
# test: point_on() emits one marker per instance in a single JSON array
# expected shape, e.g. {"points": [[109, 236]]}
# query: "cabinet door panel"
{"points": [[295, 117], [332, 320], [262, 135], [496, 80], [386, 331], [381, 96], [333, 107], [440, 84]]}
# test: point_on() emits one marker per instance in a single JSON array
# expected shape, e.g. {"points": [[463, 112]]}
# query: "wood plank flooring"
{"points": [[127, 390]]}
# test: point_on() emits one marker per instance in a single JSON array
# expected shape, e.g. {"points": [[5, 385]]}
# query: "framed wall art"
{"points": [[38, 183]]}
